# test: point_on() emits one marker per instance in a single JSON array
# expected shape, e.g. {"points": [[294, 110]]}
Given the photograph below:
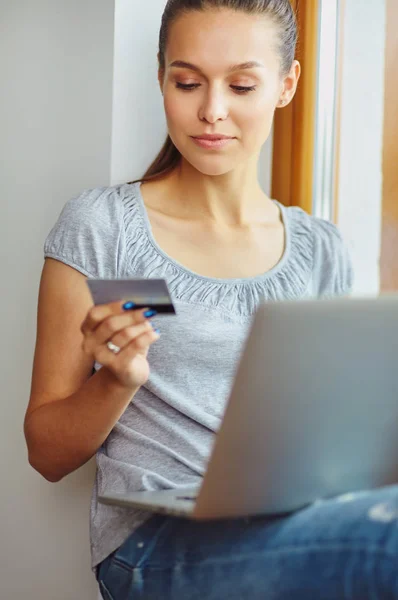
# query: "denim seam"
{"points": [[289, 550], [104, 588]]}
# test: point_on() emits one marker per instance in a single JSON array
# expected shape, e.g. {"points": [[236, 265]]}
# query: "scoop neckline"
{"points": [[217, 280]]}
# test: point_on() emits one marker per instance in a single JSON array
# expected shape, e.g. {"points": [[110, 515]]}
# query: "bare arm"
{"points": [[64, 434], [70, 414]]}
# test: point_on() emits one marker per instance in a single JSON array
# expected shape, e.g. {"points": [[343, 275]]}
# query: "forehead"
{"points": [[218, 38]]}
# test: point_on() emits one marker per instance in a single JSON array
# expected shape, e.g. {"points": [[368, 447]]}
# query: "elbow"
{"points": [[35, 455], [49, 476], [52, 479]]}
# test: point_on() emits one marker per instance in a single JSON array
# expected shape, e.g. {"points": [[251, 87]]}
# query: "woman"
{"points": [[149, 412]]}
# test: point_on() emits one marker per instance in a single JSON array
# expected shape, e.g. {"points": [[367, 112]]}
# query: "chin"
{"points": [[212, 166], [213, 172]]}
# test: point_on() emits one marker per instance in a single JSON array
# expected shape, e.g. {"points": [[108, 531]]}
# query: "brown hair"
{"points": [[280, 11]]}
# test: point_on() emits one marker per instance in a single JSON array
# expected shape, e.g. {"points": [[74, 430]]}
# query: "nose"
{"points": [[214, 107]]}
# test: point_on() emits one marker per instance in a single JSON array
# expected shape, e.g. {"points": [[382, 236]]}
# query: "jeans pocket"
{"points": [[140, 545], [105, 593]]}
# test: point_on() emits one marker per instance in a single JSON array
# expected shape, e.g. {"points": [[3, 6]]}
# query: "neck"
{"points": [[234, 199]]}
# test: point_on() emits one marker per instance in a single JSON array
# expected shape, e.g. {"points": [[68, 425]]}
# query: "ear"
{"points": [[289, 85]]}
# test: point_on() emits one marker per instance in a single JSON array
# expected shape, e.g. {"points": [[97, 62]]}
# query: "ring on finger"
{"points": [[113, 348]]}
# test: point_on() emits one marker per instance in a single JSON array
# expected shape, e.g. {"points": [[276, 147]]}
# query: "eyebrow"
{"points": [[246, 65]]}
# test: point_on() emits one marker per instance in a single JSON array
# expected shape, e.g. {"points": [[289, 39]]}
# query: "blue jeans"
{"points": [[343, 548]]}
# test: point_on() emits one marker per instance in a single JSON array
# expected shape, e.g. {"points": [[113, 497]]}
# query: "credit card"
{"points": [[151, 293]]}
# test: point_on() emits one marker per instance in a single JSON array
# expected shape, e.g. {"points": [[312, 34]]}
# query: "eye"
{"points": [[188, 87], [243, 90]]}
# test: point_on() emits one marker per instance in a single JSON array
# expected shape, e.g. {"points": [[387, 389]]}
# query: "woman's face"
{"points": [[208, 98]]}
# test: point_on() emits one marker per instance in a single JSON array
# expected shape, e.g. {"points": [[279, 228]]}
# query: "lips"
{"points": [[212, 142], [213, 137]]}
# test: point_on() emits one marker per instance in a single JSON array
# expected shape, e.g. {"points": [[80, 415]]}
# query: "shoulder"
{"points": [[89, 232], [332, 270], [327, 238], [100, 202]]}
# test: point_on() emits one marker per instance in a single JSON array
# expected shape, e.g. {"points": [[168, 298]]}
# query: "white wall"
{"points": [[139, 125], [360, 177], [55, 122]]}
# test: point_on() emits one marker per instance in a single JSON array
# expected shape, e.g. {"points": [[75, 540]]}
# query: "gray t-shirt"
{"points": [[164, 437]]}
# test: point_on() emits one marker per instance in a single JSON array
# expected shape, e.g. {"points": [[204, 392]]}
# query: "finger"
{"points": [[138, 345], [113, 325], [128, 334], [100, 312], [108, 358]]}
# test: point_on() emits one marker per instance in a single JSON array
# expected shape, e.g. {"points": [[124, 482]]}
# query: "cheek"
{"points": [[255, 117], [178, 109]]}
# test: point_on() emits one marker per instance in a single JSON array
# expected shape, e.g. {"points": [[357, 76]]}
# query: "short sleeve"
{"points": [[333, 273], [89, 234]]}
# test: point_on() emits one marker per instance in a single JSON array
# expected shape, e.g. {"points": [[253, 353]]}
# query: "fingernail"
{"points": [[150, 313], [128, 305]]}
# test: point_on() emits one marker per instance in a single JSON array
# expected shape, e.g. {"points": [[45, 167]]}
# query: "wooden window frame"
{"points": [[294, 126], [389, 233]]}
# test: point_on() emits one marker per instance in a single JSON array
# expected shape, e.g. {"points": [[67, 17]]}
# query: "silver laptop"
{"points": [[313, 413]]}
